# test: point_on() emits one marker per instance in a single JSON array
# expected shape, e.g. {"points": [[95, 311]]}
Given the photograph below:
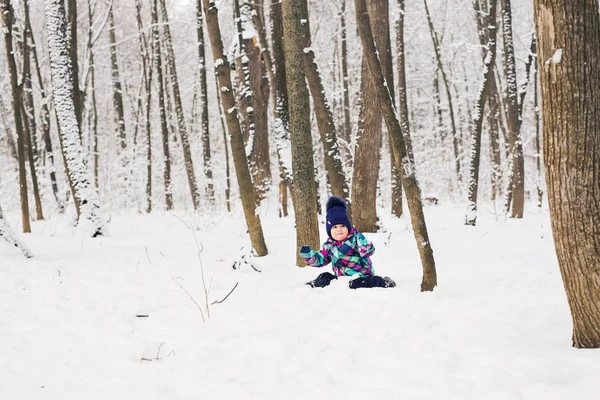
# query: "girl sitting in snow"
{"points": [[347, 249]]}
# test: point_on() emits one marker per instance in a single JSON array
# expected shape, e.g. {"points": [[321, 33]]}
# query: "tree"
{"points": [[116, 85], [223, 72], [568, 33], [476, 124], [403, 162], [185, 142], [307, 228], [161, 106], [82, 187], [7, 15]]}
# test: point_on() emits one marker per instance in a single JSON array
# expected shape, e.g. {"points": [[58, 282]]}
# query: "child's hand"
{"points": [[305, 250]]}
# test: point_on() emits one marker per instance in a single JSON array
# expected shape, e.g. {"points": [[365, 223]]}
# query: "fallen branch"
{"points": [[190, 296], [225, 298]]}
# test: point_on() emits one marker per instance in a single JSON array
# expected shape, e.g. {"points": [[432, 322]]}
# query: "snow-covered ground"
{"points": [[496, 327]]}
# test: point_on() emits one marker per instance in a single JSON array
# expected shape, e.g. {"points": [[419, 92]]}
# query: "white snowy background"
{"points": [[496, 327]]}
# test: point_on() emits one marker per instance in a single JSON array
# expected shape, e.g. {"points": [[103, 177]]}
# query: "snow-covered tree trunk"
{"points": [[281, 124], [29, 122], [185, 142], [403, 162], [202, 90], [71, 39], [7, 18], [92, 111], [9, 236], [84, 192], [346, 133], [223, 72], [512, 116], [476, 124], [305, 210], [438, 58], [10, 141], [568, 32]]}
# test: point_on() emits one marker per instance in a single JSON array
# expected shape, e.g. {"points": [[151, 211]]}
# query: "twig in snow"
{"points": [[225, 298], [147, 255], [190, 296]]}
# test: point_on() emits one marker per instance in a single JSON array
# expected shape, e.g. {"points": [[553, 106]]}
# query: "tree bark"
{"points": [[476, 125], [222, 70], [346, 133], [512, 115], [161, 106], [84, 193], [568, 32], [305, 207], [72, 43], [116, 85], [323, 113], [7, 18], [203, 90], [185, 143], [403, 162]]}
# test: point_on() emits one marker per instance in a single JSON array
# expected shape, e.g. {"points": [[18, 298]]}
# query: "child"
{"points": [[347, 249]]}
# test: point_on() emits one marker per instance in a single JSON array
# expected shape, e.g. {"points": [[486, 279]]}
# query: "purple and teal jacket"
{"points": [[348, 257]]}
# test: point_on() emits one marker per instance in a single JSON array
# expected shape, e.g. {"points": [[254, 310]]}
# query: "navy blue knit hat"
{"points": [[336, 214]]}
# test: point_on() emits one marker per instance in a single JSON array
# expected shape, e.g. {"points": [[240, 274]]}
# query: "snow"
{"points": [[497, 326]]}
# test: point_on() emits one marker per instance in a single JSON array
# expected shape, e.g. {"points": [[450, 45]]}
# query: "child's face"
{"points": [[339, 232]]}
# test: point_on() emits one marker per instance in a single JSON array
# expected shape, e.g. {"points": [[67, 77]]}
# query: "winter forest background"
{"points": [[122, 165]]}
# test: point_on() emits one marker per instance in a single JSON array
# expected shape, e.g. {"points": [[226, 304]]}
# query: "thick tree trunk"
{"points": [[538, 150], [203, 90], [185, 143], [161, 106], [84, 193], [223, 71], [403, 162], [72, 43], [7, 16], [323, 113], [568, 32], [476, 125], [305, 206], [512, 115]]}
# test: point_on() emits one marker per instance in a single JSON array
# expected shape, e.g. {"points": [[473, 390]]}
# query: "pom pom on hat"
{"points": [[336, 214]]}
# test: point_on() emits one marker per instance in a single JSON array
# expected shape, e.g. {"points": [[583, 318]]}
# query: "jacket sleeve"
{"points": [[364, 247], [317, 258]]}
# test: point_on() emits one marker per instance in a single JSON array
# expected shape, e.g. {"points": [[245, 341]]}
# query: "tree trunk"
{"points": [[346, 133], [10, 141], [325, 122], [438, 57], [512, 115], [222, 70], [305, 207], [72, 46], [84, 193], [203, 90], [403, 162], [161, 106], [538, 150], [185, 143], [225, 146], [476, 125], [7, 16], [281, 124], [116, 86], [368, 140], [568, 32], [45, 122]]}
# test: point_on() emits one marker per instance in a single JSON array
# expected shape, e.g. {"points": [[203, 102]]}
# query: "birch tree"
{"points": [[7, 17], [84, 192], [568, 52]]}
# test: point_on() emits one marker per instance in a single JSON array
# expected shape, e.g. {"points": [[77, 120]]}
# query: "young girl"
{"points": [[347, 249]]}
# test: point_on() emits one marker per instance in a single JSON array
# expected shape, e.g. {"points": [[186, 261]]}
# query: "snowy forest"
{"points": [[205, 137]]}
